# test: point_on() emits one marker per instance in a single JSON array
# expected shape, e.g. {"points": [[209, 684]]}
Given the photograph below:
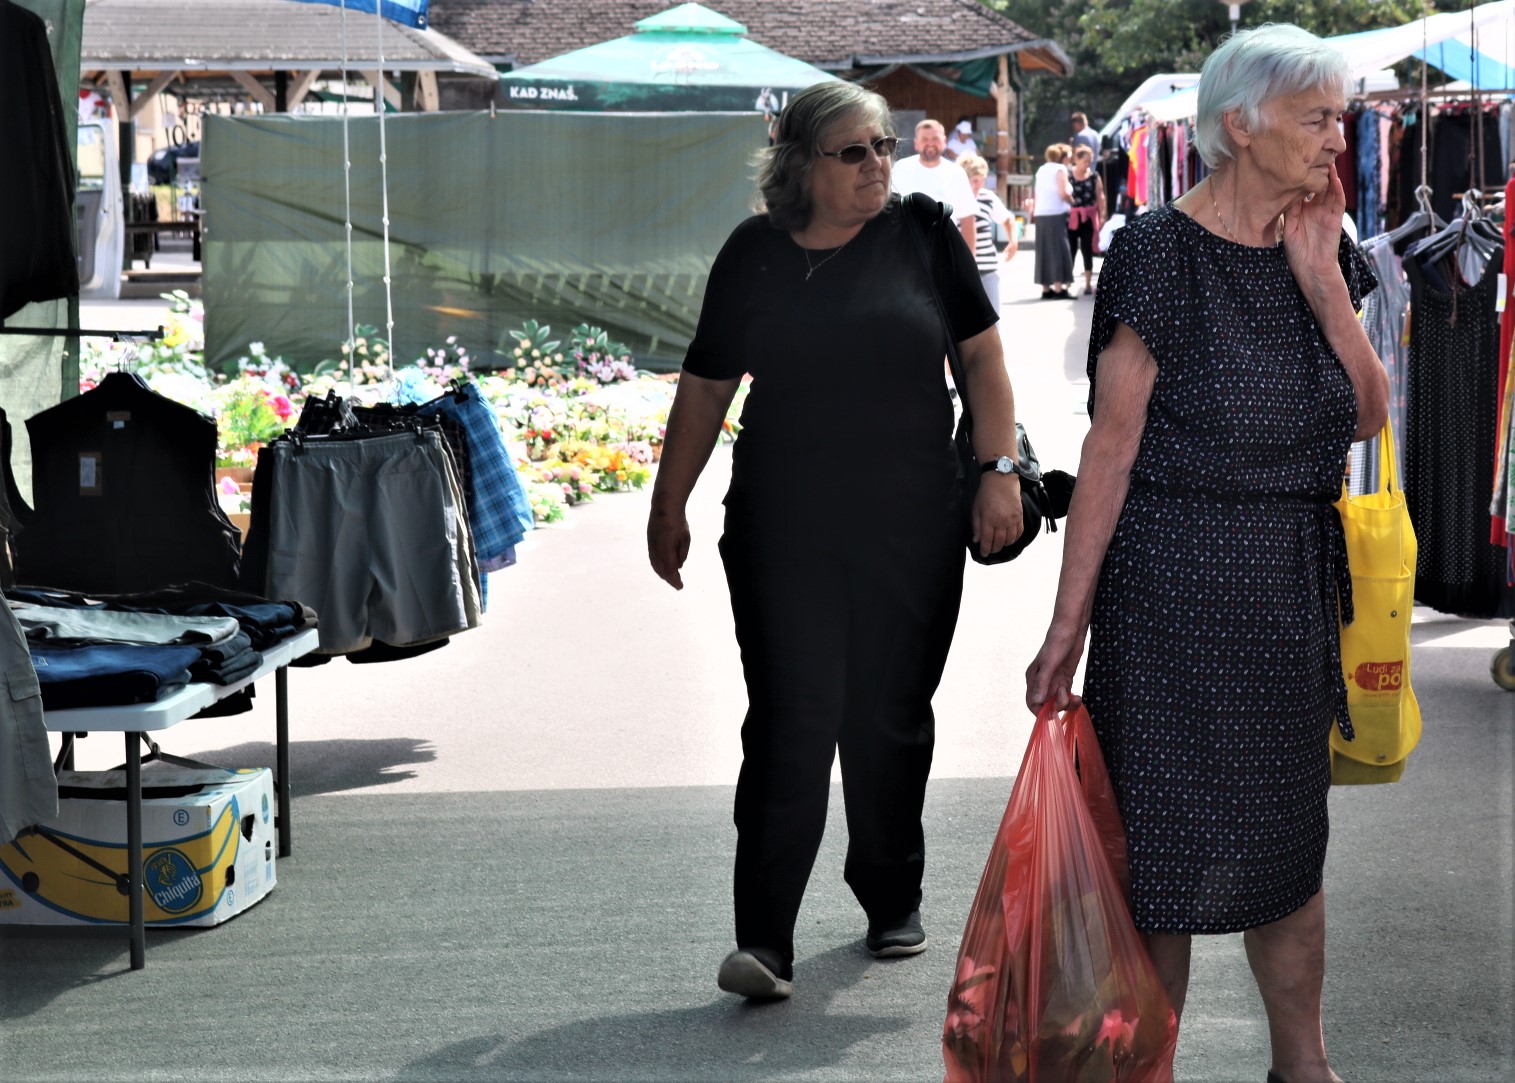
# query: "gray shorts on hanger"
{"points": [[373, 535]]}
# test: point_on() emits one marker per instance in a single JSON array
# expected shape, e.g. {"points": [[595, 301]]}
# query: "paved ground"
{"points": [[512, 855]]}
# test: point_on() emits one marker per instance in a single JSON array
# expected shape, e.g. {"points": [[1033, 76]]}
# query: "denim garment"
{"points": [[110, 674], [499, 511]]}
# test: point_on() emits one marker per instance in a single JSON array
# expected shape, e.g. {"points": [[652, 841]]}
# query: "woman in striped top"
{"points": [[987, 213]]}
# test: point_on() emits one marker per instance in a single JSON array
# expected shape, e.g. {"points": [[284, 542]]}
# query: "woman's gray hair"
{"points": [[810, 116], [1253, 67]]}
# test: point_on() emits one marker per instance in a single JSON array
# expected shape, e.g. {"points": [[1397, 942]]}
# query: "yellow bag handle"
{"points": [[1388, 462]]}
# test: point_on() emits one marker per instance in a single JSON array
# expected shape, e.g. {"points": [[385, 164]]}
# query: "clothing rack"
{"points": [[143, 335]]}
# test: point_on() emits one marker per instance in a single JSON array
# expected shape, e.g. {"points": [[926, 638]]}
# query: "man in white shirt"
{"points": [[927, 171], [961, 143]]}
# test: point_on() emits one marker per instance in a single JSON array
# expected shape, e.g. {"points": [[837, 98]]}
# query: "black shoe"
{"points": [[890, 939], [754, 973], [1274, 1077]]}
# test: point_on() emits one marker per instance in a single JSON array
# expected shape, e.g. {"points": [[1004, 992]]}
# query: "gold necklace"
{"points": [[810, 270], [1219, 217]]}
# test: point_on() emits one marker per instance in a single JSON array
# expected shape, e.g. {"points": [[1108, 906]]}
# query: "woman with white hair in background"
{"points": [[1203, 552]]}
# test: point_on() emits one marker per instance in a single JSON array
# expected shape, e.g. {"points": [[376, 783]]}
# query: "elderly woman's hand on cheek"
{"points": [[1312, 237]]}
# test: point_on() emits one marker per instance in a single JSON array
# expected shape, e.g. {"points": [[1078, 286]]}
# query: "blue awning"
{"points": [[405, 12]]}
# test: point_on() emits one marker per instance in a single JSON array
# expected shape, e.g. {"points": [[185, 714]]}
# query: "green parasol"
{"points": [[686, 59]]}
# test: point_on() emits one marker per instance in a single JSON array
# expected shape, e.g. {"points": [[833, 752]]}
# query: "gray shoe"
{"points": [[744, 974], [892, 939]]}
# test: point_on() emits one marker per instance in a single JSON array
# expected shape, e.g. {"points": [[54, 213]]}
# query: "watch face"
{"points": [[1005, 465]]}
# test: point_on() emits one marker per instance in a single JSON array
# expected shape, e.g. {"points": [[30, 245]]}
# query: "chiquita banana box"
{"points": [[207, 850]]}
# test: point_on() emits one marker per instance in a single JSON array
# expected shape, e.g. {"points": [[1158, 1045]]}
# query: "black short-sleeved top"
{"points": [[848, 410], [1214, 670]]}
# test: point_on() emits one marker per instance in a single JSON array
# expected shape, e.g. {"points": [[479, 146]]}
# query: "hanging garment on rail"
{"points": [[371, 530], [12, 508], [1383, 317], [499, 511], [37, 191], [123, 482], [1450, 434], [28, 789]]}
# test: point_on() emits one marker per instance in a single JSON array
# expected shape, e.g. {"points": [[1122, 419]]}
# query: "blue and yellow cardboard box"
{"points": [[207, 850]]}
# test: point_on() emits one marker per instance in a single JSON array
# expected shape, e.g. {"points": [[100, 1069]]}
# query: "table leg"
{"points": [[134, 849], [281, 753]]}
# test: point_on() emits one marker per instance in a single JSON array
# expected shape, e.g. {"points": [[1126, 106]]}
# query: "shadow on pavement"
{"points": [[332, 766], [727, 1039]]}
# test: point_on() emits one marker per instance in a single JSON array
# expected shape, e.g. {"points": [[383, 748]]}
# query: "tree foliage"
{"points": [[1116, 44]]}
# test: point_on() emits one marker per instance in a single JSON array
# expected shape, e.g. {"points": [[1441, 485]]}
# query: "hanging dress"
{"points": [[1450, 423]]}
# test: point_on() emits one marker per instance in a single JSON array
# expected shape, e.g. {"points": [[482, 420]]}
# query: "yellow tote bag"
{"points": [[1375, 647]]}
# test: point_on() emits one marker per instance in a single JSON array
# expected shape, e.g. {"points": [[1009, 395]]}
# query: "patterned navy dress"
{"points": [[1214, 670]]}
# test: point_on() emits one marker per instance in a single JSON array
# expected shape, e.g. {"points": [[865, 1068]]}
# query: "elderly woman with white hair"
{"points": [[1228, 376], [844, 543]]}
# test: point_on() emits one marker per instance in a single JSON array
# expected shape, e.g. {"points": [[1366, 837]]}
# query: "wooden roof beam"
{"points": [[255, 89]]}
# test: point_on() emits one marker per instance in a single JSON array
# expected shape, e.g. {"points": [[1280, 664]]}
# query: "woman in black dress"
{"points": [[1229, 374], [1087, 215], [843, 546]]}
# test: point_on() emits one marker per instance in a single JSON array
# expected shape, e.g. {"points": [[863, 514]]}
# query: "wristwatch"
{"points": [[1007, 465]]}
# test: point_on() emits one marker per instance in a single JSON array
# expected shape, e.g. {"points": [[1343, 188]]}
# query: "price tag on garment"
{"points": [[1504, 293], [89, 473]]}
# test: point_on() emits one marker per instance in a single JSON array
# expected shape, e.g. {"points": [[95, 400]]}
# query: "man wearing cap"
{"points": [[928, 171], [961, 141]]}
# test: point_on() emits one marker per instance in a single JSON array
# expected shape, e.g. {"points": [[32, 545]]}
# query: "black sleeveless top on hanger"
{"points": [[1451, 415]]}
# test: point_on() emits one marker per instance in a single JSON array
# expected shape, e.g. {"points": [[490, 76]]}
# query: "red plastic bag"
{"points": [[1053, 983]]}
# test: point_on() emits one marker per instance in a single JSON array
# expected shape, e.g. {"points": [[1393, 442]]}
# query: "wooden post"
{"points": [[1002, 124]]}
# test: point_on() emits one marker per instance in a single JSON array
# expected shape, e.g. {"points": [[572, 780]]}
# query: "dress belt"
{"points": [[1335, 584]]}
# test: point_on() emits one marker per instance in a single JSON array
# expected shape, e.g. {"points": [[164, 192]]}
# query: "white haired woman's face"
{"points": [[1298, 139]]}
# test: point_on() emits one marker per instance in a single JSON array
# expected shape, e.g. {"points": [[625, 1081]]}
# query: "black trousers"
{"points": [[843, 645], [1081, 240]]}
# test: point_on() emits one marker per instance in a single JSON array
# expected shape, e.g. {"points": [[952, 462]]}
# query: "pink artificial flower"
{"points": [[283, 407], [230, 487], [1117, 1030]]}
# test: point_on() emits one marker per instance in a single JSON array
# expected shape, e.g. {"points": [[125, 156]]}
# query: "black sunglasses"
{"points": [[853, 153]]}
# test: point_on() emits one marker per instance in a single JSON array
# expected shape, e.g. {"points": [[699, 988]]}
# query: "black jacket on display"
{"points": [[123, 483], [37, 191]]}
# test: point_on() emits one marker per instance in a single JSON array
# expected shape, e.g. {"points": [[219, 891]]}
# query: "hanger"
{"points": [[1468, 239], [1423, 218]]}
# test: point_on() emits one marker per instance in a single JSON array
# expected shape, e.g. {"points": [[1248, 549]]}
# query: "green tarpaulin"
{"points": [[610, 219]]}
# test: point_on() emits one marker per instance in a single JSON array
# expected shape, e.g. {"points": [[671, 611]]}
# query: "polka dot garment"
{"points": [[1450, 423], [1214, 669]]}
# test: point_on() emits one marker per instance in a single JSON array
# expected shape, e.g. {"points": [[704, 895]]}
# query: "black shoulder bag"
{"points": [[1038, 507]]}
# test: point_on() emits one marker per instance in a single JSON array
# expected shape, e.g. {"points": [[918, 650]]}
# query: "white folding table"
{"points": [[137, 720]]}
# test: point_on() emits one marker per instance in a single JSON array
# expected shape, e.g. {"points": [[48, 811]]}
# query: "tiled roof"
{"points": [[833, 34], [254, 35]]}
